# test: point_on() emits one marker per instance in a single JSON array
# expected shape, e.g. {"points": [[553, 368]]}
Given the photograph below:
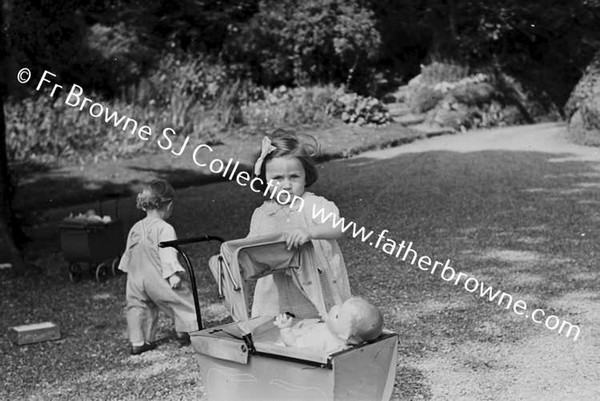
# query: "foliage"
{"points": [[479, 100], [583, 107], [284, 106], [190, 26], [425, 98], [186, 87], [116, 58], [443, 72], [200, 66], [359, 110], [46, 35], [45, 130], [302, 42], [543, 43]]}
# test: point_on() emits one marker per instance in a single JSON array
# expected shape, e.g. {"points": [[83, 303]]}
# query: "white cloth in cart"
{"points": [[147, 267]]}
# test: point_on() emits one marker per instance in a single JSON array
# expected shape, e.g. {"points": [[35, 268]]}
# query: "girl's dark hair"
{"points": [[155, 195], [290, 144]]}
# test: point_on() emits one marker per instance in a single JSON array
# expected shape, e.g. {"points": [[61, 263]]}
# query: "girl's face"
{"points": [[286, 173]]}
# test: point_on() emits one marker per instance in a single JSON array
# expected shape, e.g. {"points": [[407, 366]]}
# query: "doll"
{"points": [[350, 323]]}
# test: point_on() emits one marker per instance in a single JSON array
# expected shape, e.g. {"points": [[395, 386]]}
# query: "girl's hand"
{"points": [[174, 281], [297, 237]]}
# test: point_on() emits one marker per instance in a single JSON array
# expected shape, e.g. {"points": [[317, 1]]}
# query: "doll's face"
{"points": [[286, 173], [355, 321], [339, 322]]}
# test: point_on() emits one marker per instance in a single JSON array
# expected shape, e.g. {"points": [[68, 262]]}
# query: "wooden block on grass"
{"points": [[34, 333]]}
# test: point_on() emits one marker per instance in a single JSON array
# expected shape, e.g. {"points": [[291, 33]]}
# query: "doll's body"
{"points": [[313, 335], [352, 322]]}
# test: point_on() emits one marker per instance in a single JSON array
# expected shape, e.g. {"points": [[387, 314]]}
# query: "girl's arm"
{"points": [[299, 236], [168, 256], [325, 231], [324, 215], [126, 257]]}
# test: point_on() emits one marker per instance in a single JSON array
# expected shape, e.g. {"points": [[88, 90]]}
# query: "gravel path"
{"points": [[515, 208]]}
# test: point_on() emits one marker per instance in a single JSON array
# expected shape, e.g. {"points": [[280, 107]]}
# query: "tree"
{"points": [[7, 244], [305, 42]]}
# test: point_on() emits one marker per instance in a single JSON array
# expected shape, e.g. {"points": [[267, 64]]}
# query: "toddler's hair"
{"points": [[155, 195], [291, 144]]}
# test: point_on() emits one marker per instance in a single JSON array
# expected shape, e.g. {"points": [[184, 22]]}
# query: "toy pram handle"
{"points": [[188, 265], [192, 240]]}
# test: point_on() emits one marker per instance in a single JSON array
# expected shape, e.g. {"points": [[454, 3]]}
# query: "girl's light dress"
{"points": [[148, 267], [277, 293]]}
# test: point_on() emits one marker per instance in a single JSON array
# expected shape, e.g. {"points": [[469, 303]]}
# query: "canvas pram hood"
{"points": [[250, 258]]}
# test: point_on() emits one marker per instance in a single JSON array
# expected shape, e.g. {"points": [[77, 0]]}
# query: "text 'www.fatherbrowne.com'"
{"points": [[404, 251], [75, 98]]}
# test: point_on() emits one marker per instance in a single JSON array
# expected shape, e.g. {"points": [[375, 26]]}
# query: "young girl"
{"points": [[286, 162], [153, 280]]}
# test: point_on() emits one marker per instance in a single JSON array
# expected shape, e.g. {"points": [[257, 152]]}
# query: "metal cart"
{"points": [[97, 244], [245, 361]]}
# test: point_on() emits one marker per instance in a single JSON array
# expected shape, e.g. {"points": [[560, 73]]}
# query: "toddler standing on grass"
{"points": [[153, 280], [286, 162]]}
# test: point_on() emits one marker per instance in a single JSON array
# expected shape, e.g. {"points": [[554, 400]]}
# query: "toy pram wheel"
{"points": [[115, 266], [74, 272], [101, 272]]}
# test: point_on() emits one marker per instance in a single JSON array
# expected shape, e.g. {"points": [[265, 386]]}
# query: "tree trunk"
{"points": [[8, 250]]}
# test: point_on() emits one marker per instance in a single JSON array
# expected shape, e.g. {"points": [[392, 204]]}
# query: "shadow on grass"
{"points": [[56, 190]]}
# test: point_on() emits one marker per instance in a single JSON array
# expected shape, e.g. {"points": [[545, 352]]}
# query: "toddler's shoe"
{"points": [[138, 349], [183, 339]]}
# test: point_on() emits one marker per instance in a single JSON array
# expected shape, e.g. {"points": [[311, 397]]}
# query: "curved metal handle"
{"points": [[184, 241], [188, 265]]}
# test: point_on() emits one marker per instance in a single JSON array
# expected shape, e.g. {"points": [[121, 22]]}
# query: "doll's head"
{"points": [[355, 321], [157, 195], [286, 159]]}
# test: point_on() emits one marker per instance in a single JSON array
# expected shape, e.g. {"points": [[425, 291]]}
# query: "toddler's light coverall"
{"points": [[148, 267]]}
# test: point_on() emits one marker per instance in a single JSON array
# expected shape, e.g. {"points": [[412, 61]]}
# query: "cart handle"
{"points": [[192, 240], [175, 244]]}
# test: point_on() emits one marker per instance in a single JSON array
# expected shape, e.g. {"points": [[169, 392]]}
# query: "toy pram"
{"points": [[95, 242], [245, 361], [98, 244]]}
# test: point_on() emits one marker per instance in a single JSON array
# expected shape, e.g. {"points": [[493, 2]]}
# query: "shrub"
{"points": [[116, 58], [287, 106], [45, 130], [425, 99], [186, 85], [303, 42], [359, 110], [437, 72]]}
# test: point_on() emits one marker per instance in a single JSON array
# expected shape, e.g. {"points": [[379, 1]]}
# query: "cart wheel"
{"points": [[115, 266], [101, 272], [74, 272]]}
